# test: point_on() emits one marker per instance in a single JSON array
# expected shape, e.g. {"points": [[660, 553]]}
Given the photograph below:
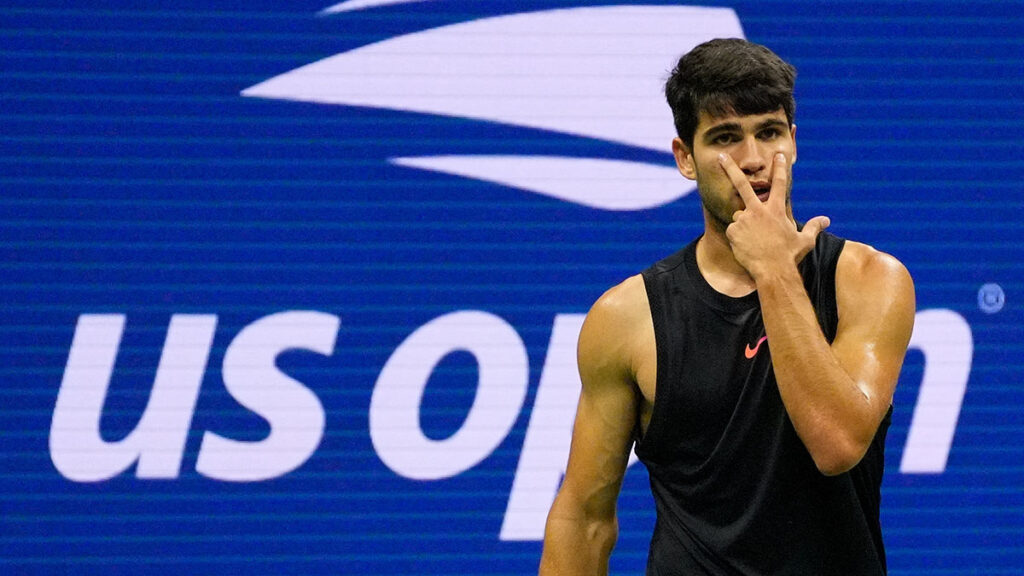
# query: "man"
{"points": [[754, 369]]}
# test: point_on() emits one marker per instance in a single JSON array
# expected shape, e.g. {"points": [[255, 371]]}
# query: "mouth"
{"points": [[762, 189]]}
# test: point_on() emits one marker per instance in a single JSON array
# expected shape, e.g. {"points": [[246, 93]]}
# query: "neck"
{"points": [[718, 265]]}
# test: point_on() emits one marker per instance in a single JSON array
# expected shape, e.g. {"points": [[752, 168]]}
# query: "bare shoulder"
{"points": [[875, 290], [624, 300], [617, 329], [865, 266], [623, 308]]}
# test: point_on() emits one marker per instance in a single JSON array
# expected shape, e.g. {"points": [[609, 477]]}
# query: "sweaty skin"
{"points": [[616, 357], [836, 395]]}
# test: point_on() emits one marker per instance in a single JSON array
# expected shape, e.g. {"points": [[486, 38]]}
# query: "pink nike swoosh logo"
{"points": [[751, 352]]}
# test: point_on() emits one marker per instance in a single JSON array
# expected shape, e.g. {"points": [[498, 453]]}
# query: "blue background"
{"points": [[135, 180]]}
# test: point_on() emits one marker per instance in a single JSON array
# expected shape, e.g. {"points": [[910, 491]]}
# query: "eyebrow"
{"points": [[736, 127], [721, 129]]}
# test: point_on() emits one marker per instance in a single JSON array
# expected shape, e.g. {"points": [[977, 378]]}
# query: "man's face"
{"points": [[752, 141]]}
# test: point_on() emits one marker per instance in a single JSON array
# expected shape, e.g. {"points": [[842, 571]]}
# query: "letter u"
{"points": [[77, 449]]}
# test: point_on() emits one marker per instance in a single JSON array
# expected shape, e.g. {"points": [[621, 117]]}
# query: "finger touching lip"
{"points": [[762, 190]]}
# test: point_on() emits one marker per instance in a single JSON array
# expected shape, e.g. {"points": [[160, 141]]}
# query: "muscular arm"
{"points": [[836, 395], [582, 527]]}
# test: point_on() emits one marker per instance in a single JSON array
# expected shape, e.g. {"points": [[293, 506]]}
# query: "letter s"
{"points": [[295, 414]]}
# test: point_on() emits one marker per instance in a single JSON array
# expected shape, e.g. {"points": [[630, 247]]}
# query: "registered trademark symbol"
{"points": [[991, 298]]}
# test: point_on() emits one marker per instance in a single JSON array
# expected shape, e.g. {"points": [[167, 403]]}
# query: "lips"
{"points": [[762, 189]]}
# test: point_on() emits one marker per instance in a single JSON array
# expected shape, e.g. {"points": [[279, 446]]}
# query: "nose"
{"points": [[749, 156]]}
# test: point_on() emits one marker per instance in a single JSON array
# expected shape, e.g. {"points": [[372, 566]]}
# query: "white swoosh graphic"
{"points": [[595, 72], [352, 5], [593, 182]]}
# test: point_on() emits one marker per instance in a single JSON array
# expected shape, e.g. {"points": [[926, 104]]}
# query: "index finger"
{"points": [[780, 181], [739, 180]]}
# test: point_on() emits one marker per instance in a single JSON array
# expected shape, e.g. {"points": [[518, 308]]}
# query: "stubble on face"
{"points": [[720, 208]]}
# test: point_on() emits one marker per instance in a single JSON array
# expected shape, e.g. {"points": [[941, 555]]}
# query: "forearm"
{"points": [[577, 545], [832, 415]]}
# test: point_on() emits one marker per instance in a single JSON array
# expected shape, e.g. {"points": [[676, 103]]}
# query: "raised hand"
{"points": [[763, 236]]}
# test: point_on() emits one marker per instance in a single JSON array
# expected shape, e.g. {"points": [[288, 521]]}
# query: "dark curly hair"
{"points": [[728, 76]]}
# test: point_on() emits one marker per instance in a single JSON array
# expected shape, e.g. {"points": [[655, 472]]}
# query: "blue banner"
{"points": [[295, 288]]}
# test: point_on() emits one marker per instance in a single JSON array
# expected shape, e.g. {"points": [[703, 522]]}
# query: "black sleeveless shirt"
{"points": [[735, 489]]}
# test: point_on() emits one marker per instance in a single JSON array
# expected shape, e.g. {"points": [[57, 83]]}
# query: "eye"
{"points": [[769, 133], [723, 139]]}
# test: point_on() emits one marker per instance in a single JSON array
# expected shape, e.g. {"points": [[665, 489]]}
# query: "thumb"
{"points": [[815, 225], [809, 234]]}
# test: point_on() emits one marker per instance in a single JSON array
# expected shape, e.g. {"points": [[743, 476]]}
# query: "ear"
{"points": [[684, 159]]}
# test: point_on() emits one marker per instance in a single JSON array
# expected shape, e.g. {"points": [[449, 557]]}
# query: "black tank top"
{"points": [[735, 489]]}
